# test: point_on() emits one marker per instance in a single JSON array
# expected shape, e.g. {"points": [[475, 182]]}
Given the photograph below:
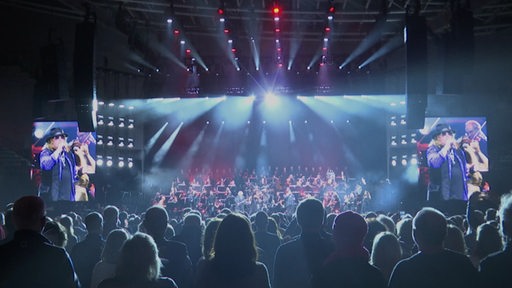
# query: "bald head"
{"points": [[429, 228], [29, 213]]}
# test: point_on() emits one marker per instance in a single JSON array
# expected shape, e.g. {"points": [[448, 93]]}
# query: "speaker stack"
{"points": [[84, 80], [416, 66]]}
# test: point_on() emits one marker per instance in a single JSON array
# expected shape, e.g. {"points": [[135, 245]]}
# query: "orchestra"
{"points": [[251, 192]]}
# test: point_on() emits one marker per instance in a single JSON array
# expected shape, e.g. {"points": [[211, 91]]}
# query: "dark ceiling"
{"points": [[302, 22], [133, 35]]}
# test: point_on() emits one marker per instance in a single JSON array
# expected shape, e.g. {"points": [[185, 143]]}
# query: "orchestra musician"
{"points": [[477, 160]]}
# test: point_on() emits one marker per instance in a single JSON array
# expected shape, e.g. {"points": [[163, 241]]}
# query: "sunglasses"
{"points": [[447, 132], [59, 136]]}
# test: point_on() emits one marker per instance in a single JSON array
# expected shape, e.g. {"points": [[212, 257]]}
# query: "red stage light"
{"points": [[226, 31], [188, 51], [176, 32], [233, 50], [277, 30], [276, 10], [327, 29], [332, 9], [220, 11]]}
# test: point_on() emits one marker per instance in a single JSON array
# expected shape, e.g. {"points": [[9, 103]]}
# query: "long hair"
{"points": [[386, 252], [139, 260], [209, 236], [113, 245], [234, 250]]}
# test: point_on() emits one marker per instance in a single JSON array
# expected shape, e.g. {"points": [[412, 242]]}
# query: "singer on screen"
{"points": [[447, 166], [58, 167]]}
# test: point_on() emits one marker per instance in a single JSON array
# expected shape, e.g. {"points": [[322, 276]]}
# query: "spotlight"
{"points": [[109, 161], [331, 11], [39, 133], [99, 162], [169, 20]]}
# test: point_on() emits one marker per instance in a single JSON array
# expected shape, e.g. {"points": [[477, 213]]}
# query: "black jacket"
{"points": [[30, 260]]}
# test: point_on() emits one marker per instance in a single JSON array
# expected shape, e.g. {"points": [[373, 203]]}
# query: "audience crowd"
{"points": [[113, 248]]}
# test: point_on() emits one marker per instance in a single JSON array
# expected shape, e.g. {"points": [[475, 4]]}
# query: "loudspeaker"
{"points": [[416, 106], [416, 66], [86, 121], [459, 51], [84, 79]]}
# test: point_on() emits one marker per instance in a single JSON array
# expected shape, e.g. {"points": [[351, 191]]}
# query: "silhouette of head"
{"points": [[310, 214], [29, 213], [429, 228], [155, 221], [349, 228]]}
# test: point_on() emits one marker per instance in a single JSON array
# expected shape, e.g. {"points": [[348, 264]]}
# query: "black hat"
{"points": [[441, 128], [54, 132]]}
